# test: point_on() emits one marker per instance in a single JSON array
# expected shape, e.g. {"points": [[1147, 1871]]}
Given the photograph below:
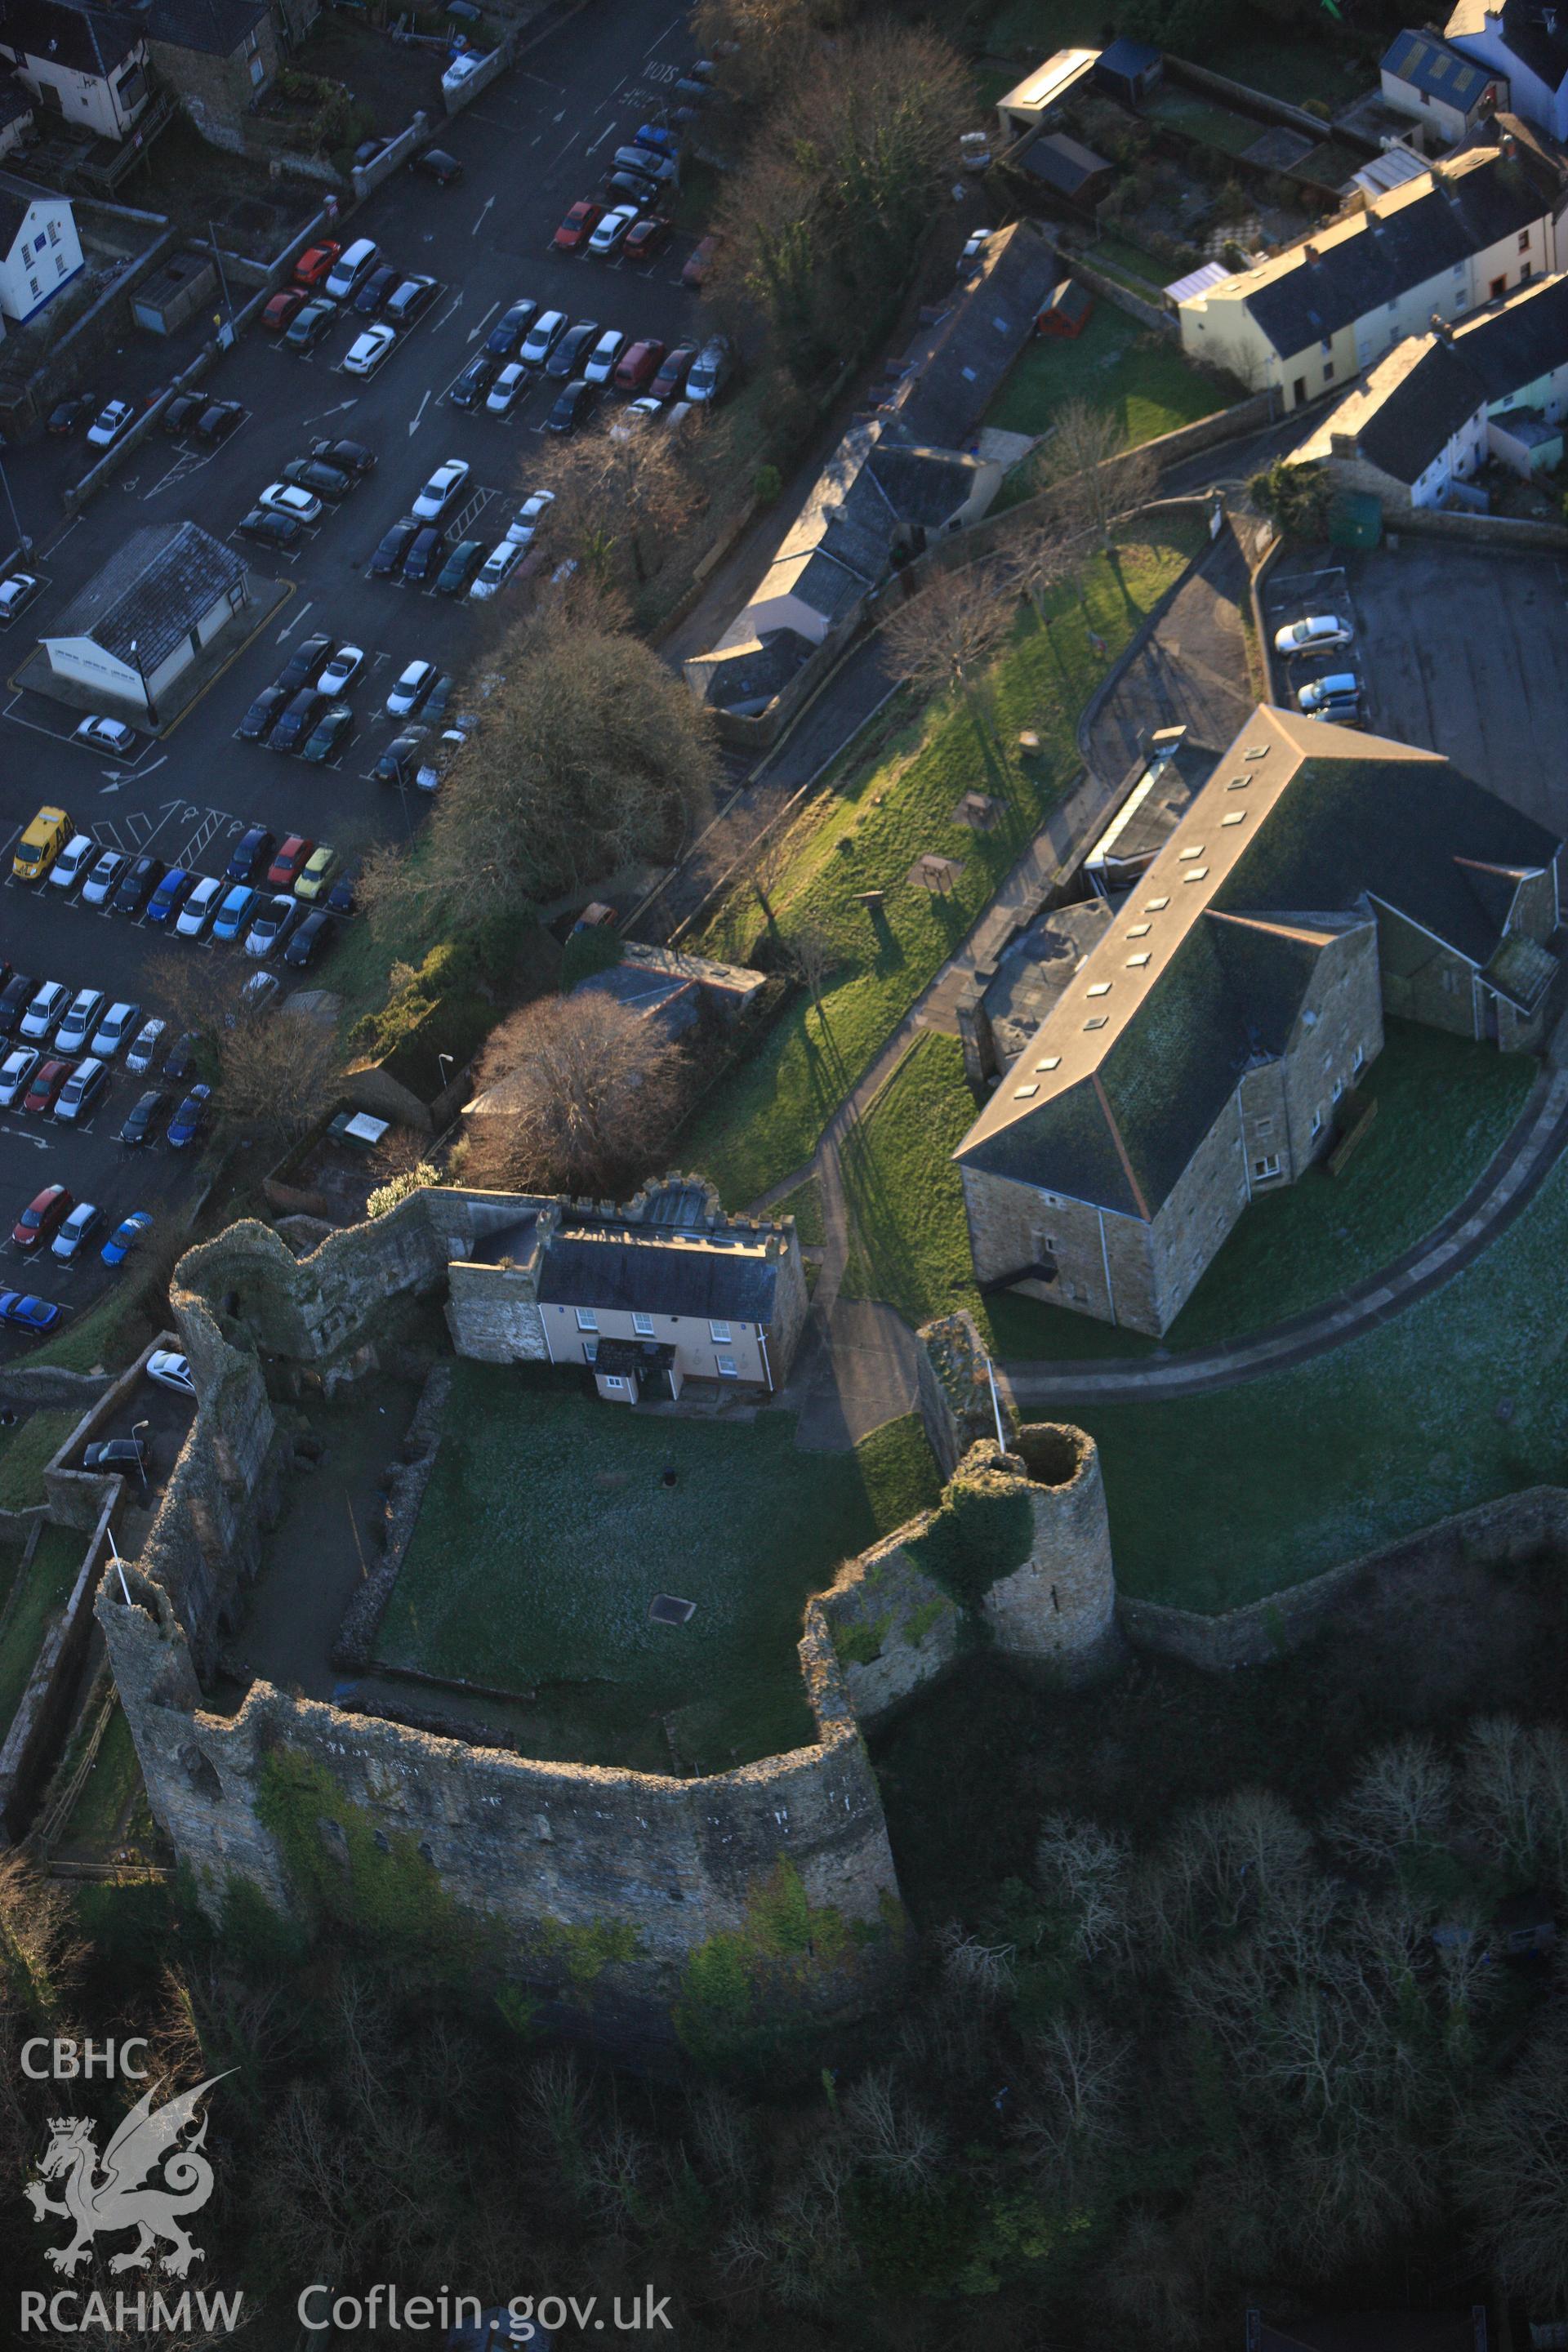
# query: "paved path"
{"points": [[1190, 670], [1515, 1173]]}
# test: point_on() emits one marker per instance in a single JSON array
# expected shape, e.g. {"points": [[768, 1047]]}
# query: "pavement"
{"points": [[531, 143], [1190, 670]]}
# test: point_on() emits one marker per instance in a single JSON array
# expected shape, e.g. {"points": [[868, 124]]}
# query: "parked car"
{"points": [[16, 1075], [43, 1217], [324, 481], [283, 309], [366, 353], [135, 888], [413, 296], [127, 1235], [542, 338], [461, 567], [329, 736], [507, 388], [81, 1019], [316, 872], [670, 378], [475, 382], [570, 352], [72, 861], [614, 228], [313, 936], [663, 142], [15, 999], [29, 1313], [441, 489], [509, 329], [576, 402], [117, 1454], [647, 237], [316, 264], [342, 670], [605, 358], [634, 369], [461, 68], [307, 325], [272, 530], [435, 163], [394, 546], [305, 664], [397, 764], [287, 499], [296, 722], [218, 419], [103, 877], [348, 456], [710, 371], [101, 734], [434, 760], [578, 226], [117, 1024], [66, 414], [47, 1080], [252, 855], [170, 1370], [190, 1119], [529, 520], [180, 414], [41, 844], [233, 918], [341, 896], [45, 1007], [78, 1228], [75, 1101], [261, 714], [271, 922], [15, 593], [1341, 686], [200, 907], [647, 165], [259, 994], [352, 267], [699, 262], [412, 688], [292, 856], [384, 279], [144, 1046], [427, 554], [435, 702], [1319, 633], [495, 571], [110, 424], [631, 189]]}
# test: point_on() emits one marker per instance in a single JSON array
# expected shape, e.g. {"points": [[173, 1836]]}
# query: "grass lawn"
{"points": [[805, 1205], [1444, 1106], [1197, 118], [1220, 1499], [866, 831], [546, 1530], [24, 1450], [44, 1589], [1296, 70], [1115, 363], [1120, 258], [112, 1795]]}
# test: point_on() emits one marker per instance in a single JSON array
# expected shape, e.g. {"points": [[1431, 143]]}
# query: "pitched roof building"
{"points": [[1422, 76], [1320, 879], [1528, 43], [141, 623], [89, 66]]}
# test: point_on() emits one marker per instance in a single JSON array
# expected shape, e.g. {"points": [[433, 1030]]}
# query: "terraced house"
{"points": [[1315, 316], [1202, 1052]]}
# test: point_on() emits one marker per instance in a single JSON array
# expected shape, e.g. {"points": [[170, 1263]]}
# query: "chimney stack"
{"points": [[1309, 254]]}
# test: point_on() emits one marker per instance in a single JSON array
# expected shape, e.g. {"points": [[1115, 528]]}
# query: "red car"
{"points": [[293, 855], [645, 238], [42, 1219], [282, 309], [673, 373], [578, 226], [316, 264], [638, 366], [699, 264], [50, 1077]]}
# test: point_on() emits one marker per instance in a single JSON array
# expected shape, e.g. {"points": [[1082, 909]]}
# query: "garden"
{"points": [[1136, 373]]}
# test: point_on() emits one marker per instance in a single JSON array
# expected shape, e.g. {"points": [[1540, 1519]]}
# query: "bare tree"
{"points": [[890, 2134], [815, 954], [1513, 2157], [1097, 475], [1040, 561], [1085, 1872], [943, 638], [1402, 1797], [576, 1095], [619, 495]]}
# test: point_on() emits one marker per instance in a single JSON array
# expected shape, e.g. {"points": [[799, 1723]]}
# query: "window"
{"points": [[1328, 371], [1045, 1245], [614, 1382], [1339, 1088], [251, 43], [59, 265], [590, 1351], [257, 71], [1263, 1127], [1317, 1120], [33, 287], [726, 1367], [717, 1332], [643, 1325], [1525, 240], [39, 242], [587, 1319], [54, 232], [1359, 1064], [1264, 1168]]}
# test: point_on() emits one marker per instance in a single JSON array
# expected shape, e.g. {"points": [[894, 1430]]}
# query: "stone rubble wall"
{"points": [[891, 1627], [361, 1620]]}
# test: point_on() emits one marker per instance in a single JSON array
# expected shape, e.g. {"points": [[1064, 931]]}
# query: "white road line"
{"points": [[457, 305], [288, 630], [481, 222], [562, 116], [414, 428], [475, 332], [599, 141]]}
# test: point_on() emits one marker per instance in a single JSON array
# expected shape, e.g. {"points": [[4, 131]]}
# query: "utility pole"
{"points": [[225, 335]]}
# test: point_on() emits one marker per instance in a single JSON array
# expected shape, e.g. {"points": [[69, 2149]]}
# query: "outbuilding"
{"points": [[1034, 103], [1131, 71], [1068, 309], [130, 636], [1073, 174], [40, 252]]}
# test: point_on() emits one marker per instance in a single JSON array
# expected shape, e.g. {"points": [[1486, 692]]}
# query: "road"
{"points": [[531, 143]]}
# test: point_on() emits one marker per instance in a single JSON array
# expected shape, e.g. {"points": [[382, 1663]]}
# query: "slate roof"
{"points": [[955, 368], [1062, 163], [1404, 432], [1543, 47], [82, 38], [164, 579], [659, 1273], [13, 211], [1430, 66], [16, 99], [215, 27], [1401, 240], [1303, 831]]}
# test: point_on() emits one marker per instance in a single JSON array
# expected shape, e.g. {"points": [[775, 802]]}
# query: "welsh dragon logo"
{"points": [[120, 2193]]}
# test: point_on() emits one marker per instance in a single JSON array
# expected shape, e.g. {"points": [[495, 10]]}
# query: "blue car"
{"points": [[234, 915], [125, 1238], [660, 143], [28, 1313], [171, 894], [190, 1119]]}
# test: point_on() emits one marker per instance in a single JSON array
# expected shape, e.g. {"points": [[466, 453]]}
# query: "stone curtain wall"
{"points": [[891, 1628]]}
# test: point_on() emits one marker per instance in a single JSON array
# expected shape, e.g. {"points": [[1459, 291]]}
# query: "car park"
{"points": [[313, 936], [100, 734], [293, 854], [613, 228], [367, 352], [271, 530], [200, 908], [699, 266], [15, 593], [542, 336], [1319, 633], [461, 567], [110, 424], [15, 999], [350, 270], [434, 762], [426, 553], [253, 727], [578, 226], [79, 1227], [233, 918], [170, 895], [46, 834], [606, 356], [286, 497], [342, 670], [66, 414], [190, 1119], [320, 479], [28, 1313], [669, 379], [661, 141], [440, 490], [576, 401], [303, 710], [144, 1046], [218, 419], [1340, 686], [72, 861], [634, 369], [634, 416], [79, 1020], [437, 700], [709, 371], [16, 1075], [408, 301], [384, 279], [647, 237], [43, 1217], [394, 546], [435, 163], [569, 352], [43, 1092], [129, 1234], [170, 1370], [282, 309], [271, 923], [76, 1099], [316, 264], [46, 1005], [495, 571], [507, 388], [329, 736], [117, 1024], [341, 896], [412, 688], [181, 1058], [307, 325], [661, 169], [305, 664], [348, 456], [259, 995], [136, 886], [474, 382], [316, 872], [526, 524]]}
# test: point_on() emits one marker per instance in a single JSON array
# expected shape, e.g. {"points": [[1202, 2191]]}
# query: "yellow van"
{"points": [[41, 845]]}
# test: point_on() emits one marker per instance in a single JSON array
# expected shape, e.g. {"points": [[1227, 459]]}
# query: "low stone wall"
{"points": [[1258, 102], [76, 1496], [396, 152], [1112, 290], [1482, 531], [33, 1385], [484, 73], [38, 1726]]}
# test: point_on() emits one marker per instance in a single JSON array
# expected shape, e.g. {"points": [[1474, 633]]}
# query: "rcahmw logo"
{"points": [[152, 2175]]}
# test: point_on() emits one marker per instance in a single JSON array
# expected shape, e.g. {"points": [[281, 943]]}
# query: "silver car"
{"points": [[1319, 633]]}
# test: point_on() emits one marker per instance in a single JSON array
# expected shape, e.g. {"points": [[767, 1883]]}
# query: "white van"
{"points": [[355, 263]]}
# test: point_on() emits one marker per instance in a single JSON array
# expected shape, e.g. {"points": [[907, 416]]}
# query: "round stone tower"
{"points": [[1058, 1612]]}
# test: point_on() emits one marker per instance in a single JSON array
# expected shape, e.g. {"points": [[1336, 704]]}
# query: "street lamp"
{"points": [[446, 1058]]}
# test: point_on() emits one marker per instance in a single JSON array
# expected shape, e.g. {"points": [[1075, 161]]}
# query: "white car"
{"points": [[366, 353], [542, 336], [604, 356], [342, 670], [503, 394], [16, 1075], [633, 416], [1343, 687], [105, 878], [110, 424], [496, 571], [75, 1231], [529, 520], [613, 228], [411, 690], [973, 248], [283, 498], [435, 762], [709, 371], [48, 1000], [79, 1091], [1319, 633], [350, 270], [21, 587], [440, 490], [144, 1046], [106, 735], [259, 995], [201, 907], [171, 1372], [73, 861], [117, 1024], [462, 68], [81, 1022], [270, 924]]}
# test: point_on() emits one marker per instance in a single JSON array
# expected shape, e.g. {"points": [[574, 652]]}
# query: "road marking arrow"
{"points": [[414, 427]]}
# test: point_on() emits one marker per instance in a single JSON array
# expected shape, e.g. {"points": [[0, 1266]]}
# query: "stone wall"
{"points": [[38, 1729], [893, 1628], [217, 93], [1056, 1613]]}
